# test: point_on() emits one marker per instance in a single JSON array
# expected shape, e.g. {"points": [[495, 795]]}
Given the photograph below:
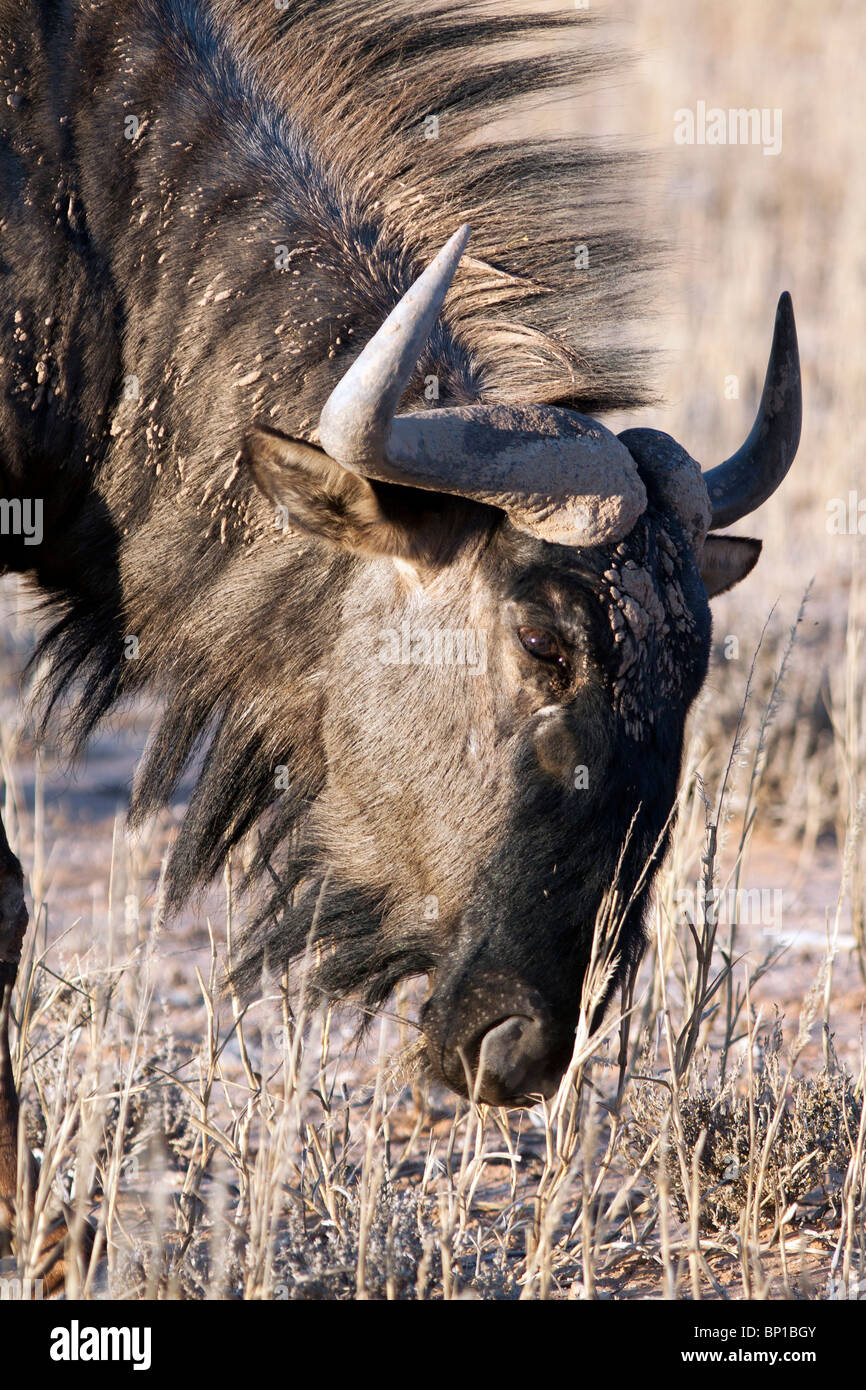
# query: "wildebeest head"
{"points": [[524, 630]]}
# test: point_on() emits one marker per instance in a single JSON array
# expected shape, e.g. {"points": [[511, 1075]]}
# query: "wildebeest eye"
{"points": [[541, 643]]}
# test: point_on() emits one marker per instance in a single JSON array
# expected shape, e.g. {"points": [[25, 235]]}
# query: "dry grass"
{"points": [[708, 1145], [697, 1146]]}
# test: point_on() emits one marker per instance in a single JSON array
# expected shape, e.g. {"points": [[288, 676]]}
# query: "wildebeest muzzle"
{"points": [[495, 1038]]}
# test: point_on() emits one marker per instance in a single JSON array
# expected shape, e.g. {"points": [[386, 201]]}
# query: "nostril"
{"points": [[511, 1059], [507, 1063], [494, 1036]]}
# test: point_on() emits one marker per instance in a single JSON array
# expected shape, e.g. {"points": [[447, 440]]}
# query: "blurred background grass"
{"points": [[741, 227]]}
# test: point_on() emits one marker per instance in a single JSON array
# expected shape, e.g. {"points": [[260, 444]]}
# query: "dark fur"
{"points": [[302, 129]]}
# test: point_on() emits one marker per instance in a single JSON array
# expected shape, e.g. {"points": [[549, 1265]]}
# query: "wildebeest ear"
{"points": [[726, 560], [316, 495]]}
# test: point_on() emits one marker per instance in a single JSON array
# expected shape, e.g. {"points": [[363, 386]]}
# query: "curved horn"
{"points": [[356, 417], [559, 475], [753, 473]]}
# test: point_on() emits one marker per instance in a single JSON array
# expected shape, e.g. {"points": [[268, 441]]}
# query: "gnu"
{"points": [[256, 300]]}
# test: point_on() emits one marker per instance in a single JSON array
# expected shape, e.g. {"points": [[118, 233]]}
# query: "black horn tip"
{"points": [[744, 481], [785, 331], [783, 372]]}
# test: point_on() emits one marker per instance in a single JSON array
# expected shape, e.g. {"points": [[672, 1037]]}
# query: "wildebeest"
{"points": [[278, 431]]}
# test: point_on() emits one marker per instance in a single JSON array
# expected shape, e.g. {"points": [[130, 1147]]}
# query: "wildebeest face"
{"points": [[524, 627], [502, 738], [501, 779]]}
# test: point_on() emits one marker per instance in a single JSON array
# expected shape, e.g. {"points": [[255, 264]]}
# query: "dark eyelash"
{"points": [[555, 658]]}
